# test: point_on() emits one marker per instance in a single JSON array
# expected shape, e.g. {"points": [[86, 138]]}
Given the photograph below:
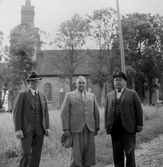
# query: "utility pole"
{"points": [[123, 66]]}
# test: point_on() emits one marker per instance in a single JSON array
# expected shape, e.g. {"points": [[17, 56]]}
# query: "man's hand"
{"points": [[19, 134], [96, 132], [139, 128], [67, 133], [48, 132]]}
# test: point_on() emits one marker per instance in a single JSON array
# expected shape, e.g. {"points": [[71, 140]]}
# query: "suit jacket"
{"points": [[76, 113], [131, 110], [24, 112]]}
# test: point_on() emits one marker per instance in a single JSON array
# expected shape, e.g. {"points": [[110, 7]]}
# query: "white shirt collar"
{"points": [[80, 91], [33, 91], [121, 90]]}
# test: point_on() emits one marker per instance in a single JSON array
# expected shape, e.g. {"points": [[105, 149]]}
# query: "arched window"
{"points": [[48, 91]]}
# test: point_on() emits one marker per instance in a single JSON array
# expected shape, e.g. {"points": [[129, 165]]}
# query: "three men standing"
{"points": [[123, 118], [80, 119], [31, 121]]}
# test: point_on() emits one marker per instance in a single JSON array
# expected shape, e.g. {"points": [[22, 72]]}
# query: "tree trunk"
{"points": [[102, 95], [71, 82], [150, 91], [25, 84], [4, 94], [1, 99], [150, 95], [133, 82]]}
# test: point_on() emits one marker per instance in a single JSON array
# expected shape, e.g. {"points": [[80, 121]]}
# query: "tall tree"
{"points": [[1, 39], [5, 81], [103, 30], [143, 36], [5, 77], [70, 39], [24, 42]]}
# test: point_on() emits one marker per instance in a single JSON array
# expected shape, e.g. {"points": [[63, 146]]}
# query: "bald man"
{"points": [[80, 120]]}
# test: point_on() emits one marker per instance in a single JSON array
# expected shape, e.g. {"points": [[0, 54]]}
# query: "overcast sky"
{"points": [[49, 14]]}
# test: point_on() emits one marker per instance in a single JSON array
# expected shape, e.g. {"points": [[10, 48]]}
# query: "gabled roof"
{"points": [[45, 65]]}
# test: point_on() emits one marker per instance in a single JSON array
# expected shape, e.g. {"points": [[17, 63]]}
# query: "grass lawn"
{"points": [[54, 155]]}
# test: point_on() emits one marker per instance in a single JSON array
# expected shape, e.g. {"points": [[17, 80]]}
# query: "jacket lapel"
{"points": [[78, 97], [124, 93], [113, 96], [29, 97], [41, 100], [86, 97], [112, 100]]}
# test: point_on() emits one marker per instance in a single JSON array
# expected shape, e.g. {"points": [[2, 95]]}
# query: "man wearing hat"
{"points": [[31, 121], [123, 119]]}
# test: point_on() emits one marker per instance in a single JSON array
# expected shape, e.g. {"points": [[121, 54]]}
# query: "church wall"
{"points": [[59, 88], [53, 103]]}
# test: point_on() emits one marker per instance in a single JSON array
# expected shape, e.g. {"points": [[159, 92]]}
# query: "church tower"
{"points": [[27, 20], [27, 14]]}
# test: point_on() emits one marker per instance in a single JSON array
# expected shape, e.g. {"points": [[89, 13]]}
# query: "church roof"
{"points": [[45, 63]]}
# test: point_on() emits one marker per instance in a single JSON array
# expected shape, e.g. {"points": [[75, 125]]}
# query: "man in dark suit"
{"points": [[80, 119], [31, 121], [123, 118]]}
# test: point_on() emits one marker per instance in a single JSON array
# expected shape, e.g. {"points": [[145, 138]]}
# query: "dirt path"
{"points": [[149, 154]]}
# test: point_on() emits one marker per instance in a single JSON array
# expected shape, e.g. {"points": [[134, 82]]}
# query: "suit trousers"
{"points": [[124, 144], [83, 149], [31, 146]]}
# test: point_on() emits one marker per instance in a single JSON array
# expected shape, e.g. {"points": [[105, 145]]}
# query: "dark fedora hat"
{"points": [[120, 75], [66, 141], [33, 75]]}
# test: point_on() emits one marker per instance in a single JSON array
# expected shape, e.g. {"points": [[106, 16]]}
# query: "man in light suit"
{"points": [[123, 118], [80, 119], [31, 121]]}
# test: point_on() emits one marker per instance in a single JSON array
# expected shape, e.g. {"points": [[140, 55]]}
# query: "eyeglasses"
{"points": [[35, 81], [81, 83]]}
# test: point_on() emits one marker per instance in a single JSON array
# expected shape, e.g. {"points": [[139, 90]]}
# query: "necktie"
{"points": [[119, 90], [82, 95], [35, 94]]}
